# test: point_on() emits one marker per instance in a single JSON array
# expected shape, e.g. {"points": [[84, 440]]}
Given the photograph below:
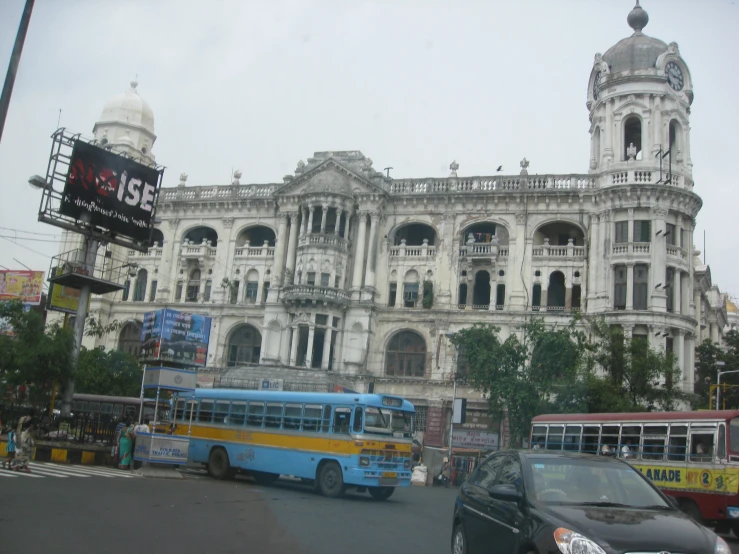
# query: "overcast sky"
{"points": [[257, 86]]}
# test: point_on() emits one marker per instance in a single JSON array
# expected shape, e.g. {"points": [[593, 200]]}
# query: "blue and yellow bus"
{"points": [[336, 441]]}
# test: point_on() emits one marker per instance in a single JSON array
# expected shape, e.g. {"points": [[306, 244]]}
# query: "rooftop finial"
{"points": [[637, 18], [134, 84]]}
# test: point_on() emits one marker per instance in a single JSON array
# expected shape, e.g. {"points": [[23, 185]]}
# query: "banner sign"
{"points": [[115, 192], [693, 479], [182, 337], [271, 384], [476, 440], [170, 379], [161, 449], [61, 298], [21, 285]]}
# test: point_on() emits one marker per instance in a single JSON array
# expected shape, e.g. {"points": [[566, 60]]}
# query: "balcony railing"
{"points": [[248, 251], [492, 184], [404, 251], [153, 252], [483, 250], [623, 248], [568, 251], [234, 192], [326, 239], [202, 250], [315, 292], [677, 252]]}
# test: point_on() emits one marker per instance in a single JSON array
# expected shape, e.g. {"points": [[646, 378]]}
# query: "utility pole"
{"points": [[15, 59]]}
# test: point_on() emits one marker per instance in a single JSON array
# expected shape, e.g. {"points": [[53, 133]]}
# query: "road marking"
{"points": [[14, 473], [3, 473], [79, 471]]}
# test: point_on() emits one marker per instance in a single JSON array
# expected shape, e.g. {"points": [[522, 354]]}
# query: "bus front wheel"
{"points": [[218, 466], [381, 493], [330, 480]]}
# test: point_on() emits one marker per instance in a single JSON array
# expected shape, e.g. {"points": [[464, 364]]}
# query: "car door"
{"points": [[505, 516], [475, 498]]}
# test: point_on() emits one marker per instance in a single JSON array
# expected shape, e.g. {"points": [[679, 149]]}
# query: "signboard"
{"points": [[110, 191], [434, 427], [182, 337], [161, 449], [724, 481], [478, 419], [170, 379], [25, 286], [61, 298], [271, 384], [476, 440]]}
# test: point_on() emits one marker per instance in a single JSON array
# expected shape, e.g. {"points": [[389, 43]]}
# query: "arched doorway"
{"points": [[200, 234], [556, 291], [481, 290], [406, 355], [130, 338], [244, 346]]}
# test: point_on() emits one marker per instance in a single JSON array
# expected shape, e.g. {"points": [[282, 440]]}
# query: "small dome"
{"points": [[637, 51], [128, 107]]}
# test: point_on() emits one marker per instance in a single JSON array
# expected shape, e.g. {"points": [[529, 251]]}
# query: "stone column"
{"points": [[608, 151], [311, 210], [369, 278], [676, 293], [470, 294], [292, 246], [295, 333], [714, 333], [324, 214], [689, 373], [346, 226], [657, 133], [658, 269], [309, 352], [338, 221], [685, 290], [604, 271], [359, 251], [594, 257], [630, 286], [680, 351], [568, 298], [280, 250], [326, 348], [304, 222]]}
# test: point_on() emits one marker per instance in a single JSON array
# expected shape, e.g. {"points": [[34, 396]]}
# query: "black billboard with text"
{"points": [[119, 194]]}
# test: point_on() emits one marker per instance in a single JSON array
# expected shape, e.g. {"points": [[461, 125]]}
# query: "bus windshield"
{"points": [[385, 421]]}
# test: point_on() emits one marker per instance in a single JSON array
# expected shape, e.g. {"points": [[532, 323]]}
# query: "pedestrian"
{"points": [[446, 473], [626, 449], [10, 448], [24, 449], [125, 446]]}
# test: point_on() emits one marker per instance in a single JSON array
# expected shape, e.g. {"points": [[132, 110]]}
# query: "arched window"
{"points": [[200, 234], [256, 237], [481, 291], [675, 138], [130, 338], [252, 286], [244, 346], [414, 234], [193, 286], [157, 238], [462, 301], [406, 355], [410, 289], [536, 297], [556, 290], [632, 139], [139, 291]]}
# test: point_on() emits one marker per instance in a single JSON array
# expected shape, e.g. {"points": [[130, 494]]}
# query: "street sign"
{"points": [[477, 440], [271, 384]]}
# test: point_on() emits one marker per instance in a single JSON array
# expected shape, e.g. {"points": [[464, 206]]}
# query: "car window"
{"points": [[488, 471], [511, 473]]}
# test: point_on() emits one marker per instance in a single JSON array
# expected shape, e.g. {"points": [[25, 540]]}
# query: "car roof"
{"points": [[559, 454]]}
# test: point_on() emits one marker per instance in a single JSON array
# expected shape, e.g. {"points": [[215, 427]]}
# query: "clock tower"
{"points": [[639, 98]]}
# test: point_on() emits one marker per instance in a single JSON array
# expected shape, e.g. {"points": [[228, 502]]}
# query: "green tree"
{"points": [[114, 373], [33, 353], [707, 354]]}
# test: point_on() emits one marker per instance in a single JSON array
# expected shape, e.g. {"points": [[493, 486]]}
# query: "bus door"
{"points": [[340, 428]]}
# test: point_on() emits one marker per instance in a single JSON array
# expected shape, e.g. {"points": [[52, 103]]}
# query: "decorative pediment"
{"points": [[330, 177]]}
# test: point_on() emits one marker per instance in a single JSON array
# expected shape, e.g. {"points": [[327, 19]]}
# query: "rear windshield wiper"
{"points": [[605, 504]]}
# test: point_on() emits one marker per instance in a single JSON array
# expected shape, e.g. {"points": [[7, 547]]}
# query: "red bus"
{"points": [[692, 456]]}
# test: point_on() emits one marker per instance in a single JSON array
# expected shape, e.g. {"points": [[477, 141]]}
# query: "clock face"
{"points": [[596, 84], [674, 76]]}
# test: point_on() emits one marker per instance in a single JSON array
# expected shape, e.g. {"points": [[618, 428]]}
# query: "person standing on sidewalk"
{"points": [[10, 449], [24, 449]]}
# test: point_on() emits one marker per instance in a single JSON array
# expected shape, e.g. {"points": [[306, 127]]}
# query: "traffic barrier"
{"points": [[65, 454]]}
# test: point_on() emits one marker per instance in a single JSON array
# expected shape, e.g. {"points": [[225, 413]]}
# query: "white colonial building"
{"points": [[339, 274]]}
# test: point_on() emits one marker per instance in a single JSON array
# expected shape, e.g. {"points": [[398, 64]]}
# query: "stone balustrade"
{"points": [[225, 192], [625, 248], [154, 252], [326, 239], [202, 250], [404, 251], [569, 251], [249, 251], [315, 292]]}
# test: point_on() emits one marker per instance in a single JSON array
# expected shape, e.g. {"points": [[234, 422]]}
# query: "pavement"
{"points": [[124, 513]]}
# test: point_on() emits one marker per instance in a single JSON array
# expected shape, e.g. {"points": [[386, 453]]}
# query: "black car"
{"points": [[545, 502]]}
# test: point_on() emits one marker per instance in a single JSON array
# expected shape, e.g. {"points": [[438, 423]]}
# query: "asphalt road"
{"points": [[197, 515]]}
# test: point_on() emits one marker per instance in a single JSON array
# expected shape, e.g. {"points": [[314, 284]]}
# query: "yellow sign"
{"points": [[63, 299], [694, 479], [21, 285]]}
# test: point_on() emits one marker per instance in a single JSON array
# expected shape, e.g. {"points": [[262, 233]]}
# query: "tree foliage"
{"points": [[33, 353], [114, 373], [706, 372]]}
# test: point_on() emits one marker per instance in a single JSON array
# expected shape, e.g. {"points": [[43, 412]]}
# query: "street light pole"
{"points": [[451, 419], [719, 365]]}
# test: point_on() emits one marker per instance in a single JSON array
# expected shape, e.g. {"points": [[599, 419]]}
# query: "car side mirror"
{"points": [[505, 492]]}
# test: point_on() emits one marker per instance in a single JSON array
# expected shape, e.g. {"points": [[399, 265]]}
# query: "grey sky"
{"points": [[256, 86]]}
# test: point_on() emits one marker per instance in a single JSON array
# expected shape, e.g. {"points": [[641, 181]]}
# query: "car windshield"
{"points": [[387, 422], [590, 482]]}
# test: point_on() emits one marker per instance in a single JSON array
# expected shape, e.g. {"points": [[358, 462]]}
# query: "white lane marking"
{"points": [[21, 473], [4, 473], [41, 471], [84, 473], [87, 470]]}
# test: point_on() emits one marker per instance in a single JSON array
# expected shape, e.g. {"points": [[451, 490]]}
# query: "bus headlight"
{"points": [[364, 461], [407, 463]]}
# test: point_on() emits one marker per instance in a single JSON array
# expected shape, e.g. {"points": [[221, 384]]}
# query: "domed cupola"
{"points": [[127, 125], [639, 97]]}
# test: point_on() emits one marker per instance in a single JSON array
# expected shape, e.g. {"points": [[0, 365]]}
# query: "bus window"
{"points": [[326, 420], [192, 410], [734, 435], [106, 408], [312, 418], [554, 438], [357, 426], [274, 415], [221, 412], [721, 444], [205, 413], [238, 413], [655, 437], [179, 410], [256, 414], [93, 407], [678, 446], [630, 441], [341, 420], [293, 413], [130, 411], [117, 410], [538, 436], [80, 406], [590, 439], [609, 440], [572, 438], [701, 446]]}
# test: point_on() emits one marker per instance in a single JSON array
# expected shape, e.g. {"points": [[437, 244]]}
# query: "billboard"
{"points": [[475, 440], [173, 336], [114, 192], [61, 298], [25, 286]]}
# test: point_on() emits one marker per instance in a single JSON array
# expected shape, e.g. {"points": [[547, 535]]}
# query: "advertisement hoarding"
{"points": [[170, 335], [110, 191], [61, 298], [25, 286]]}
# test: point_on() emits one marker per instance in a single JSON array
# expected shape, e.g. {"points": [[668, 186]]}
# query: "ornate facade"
{"points": [[340, 274]]}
